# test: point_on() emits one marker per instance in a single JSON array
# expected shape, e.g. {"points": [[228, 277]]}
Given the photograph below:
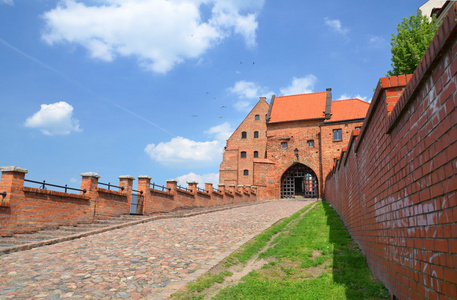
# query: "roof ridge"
{"points": [[301, 94], [351, 99]]}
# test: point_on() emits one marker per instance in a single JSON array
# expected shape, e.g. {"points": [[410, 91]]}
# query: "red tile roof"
{"points": [[298, 107], [348, 109], [312, 106]]}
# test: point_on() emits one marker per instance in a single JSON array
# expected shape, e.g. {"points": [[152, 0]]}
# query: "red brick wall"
{"points": [[396, 187], [233, 166]]}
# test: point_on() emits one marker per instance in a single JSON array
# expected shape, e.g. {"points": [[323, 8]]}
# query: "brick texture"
{"points": [[395, 187]]}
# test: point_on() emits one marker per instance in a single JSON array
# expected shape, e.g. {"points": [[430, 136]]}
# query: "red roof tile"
{"points": [[348, 109], [298, 107]]}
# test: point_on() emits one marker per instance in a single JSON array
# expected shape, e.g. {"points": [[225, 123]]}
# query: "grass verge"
{"points": [[311, 256]]}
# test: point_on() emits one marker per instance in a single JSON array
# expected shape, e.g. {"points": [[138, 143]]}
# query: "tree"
{"points": [[409, 45]]}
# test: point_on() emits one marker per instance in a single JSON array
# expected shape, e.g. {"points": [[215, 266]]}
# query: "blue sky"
{"points": [[155, 87]]}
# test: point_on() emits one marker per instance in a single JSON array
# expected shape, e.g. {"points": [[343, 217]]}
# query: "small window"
{"points": [[311, 144], [256, 154], [337, 134], [256, 134], [257, 117], [246, 172], [335, 161], [244, 135], [284, 145], [358, 128], [243, 154], [266, 154]]}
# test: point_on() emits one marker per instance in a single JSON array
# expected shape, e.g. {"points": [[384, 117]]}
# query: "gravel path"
{"points": [[145, 261]]}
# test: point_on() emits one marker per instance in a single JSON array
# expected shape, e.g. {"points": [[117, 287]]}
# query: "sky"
{"points": [[156, 87]]}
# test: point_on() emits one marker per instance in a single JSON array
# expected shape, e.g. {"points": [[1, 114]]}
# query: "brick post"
{"points": [[144, 184], [247, 189], [126, 181], [240, 189], [89, 183], [11, 184], [192, 186], [172, 184], [231, 189], [254, 189], [221, 188], [209, 188]]}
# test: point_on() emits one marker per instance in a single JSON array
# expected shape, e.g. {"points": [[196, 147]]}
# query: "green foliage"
{"points": [[409, 45]]}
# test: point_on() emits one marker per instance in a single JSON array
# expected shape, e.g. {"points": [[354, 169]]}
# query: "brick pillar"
{"points": [[254, 189], [192, 186], [11, 184], [221, 188], [247, 189], [172, 185], [126, 181], [241, 189], [394, 87], [90, 184], [209, 188], [231, 189], [144, 184]]}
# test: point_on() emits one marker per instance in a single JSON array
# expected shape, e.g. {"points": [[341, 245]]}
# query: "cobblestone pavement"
{"points": [[145, 261]]}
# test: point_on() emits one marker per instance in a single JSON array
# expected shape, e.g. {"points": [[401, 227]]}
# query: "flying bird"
{"points": [[193, 116], [224, 106]]}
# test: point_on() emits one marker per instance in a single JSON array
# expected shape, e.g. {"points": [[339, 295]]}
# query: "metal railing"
{"points": [[138, 192], [183, 188], [109, 185], [44, 184], [202, 190], [159, 187]]}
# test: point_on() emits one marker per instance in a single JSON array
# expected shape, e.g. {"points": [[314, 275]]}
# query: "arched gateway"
{"points": [[299, 180]]}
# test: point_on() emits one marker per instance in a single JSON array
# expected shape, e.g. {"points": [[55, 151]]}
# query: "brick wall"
{"points": [[395, 187], [24, 209]]}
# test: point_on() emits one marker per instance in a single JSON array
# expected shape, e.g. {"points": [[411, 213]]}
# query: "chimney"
{"points": [[328, 104]]}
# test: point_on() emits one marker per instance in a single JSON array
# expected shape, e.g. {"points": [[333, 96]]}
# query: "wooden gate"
{"points": [[299, 180]]}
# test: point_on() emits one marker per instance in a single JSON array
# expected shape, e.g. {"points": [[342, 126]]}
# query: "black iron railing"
{"points": [[44, 184], [3, 194], [156, 187], [202, 190], [183, 188], [138, 192], [109, 185]]}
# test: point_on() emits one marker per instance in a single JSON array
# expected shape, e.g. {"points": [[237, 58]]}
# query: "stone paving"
{"points": [[145, 261]]}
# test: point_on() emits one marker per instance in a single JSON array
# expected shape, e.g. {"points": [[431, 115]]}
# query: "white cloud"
{"points": [[221, 132], [159, 33], [7, 2], [376, 41], [248, 90], [336, 26], [185, 153], [201, 179], [54, 119], [348, 96], [303, 85]]}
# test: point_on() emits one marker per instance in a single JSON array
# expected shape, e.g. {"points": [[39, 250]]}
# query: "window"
{"points": [[311, 144], [335, 161], [244, 135], [358, 128], [243, 154], [337, 134], [256, 134], [256, 154], [257, 117], [284, 145], [246, 172]]}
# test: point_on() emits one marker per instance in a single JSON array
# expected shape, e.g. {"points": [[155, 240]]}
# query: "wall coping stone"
{"points": [[189, 182], [144, 177], [172, 180], [90, 174], [13, 169], [126, 177]]}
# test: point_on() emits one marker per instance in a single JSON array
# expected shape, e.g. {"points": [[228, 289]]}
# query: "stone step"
{"points": [[12, 241]]}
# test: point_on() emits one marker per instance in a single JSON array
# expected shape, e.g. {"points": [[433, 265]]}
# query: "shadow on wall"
{"points": [[350, 268]]}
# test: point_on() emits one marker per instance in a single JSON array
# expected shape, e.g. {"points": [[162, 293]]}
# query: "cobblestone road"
{"points": [[145, 261]]}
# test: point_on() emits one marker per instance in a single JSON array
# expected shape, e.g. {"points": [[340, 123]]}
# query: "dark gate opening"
{"points": [[299, 180], [136, 205]]}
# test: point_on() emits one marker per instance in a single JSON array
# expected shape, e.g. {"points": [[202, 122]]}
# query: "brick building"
{"points": [[287, 147]]}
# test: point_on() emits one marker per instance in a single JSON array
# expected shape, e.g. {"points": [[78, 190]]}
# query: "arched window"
{"points": [[257, 117], [244, 135], [256, 134], [246, 172], [243, 154], [256, 154]]}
